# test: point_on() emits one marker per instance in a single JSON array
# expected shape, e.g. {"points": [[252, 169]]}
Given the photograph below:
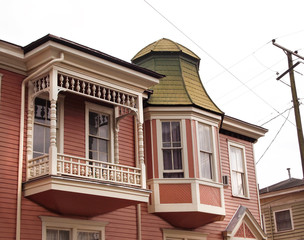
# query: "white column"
{"points": [[30, 125], [53, 99], [141, 156], [116, 131]]}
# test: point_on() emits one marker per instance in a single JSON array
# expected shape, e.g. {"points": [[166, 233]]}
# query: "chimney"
{"points": [[289, 175]]}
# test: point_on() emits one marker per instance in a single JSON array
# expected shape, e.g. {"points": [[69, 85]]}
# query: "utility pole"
{"points": [[294, 98]]}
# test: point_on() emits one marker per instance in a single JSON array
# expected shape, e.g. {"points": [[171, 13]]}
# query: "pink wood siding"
{"points": [[9, 145], [195, 149], [127, 142], [155, 152], [148, 149], [232, 203], [74, 125], [190, 148]]}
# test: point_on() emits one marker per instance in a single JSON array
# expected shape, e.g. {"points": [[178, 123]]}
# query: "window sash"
{"points": [[283, 220], [172, 150], [205, 150], [99, 136], [41, 129], [238, 172]]}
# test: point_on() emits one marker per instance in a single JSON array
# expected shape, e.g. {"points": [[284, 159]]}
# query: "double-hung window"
{"points": [[98, 136], [238, 170], [205, 150], [172, 150], [283, 220], [54, 228], [98, 132]]}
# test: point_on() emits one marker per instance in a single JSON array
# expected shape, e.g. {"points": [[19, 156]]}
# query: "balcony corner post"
{"points": [[53, 116], [30, 112]]}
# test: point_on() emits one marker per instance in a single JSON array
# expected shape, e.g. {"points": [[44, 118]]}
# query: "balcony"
{"points": [[187, 203], [83, 187]]}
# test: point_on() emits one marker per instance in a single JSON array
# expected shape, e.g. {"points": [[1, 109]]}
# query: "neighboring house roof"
{"points": [[243, 223], [286, 184], [182, 85]]}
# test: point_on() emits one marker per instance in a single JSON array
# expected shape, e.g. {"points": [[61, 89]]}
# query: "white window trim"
{"points": [[73, 225], [60, 109], [275, 220], [183, 144], [183, 234], [263, 223], [214, 152], [246, 187], [102, 109]]}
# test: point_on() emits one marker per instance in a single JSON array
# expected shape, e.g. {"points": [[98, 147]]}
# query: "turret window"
{"points": [[172, 150]]}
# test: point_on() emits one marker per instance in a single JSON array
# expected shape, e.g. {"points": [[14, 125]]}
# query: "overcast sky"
{"points": [[239, 64]]}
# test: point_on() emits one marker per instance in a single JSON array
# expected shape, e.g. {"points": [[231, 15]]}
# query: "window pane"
{"points": [[175, 132], [92, 143], [167, 159], [103, 126], [177, 159], [166, 132], [173, 175], [237, 159], [240, 184], [206, 171], [64, 235], [283, 220], [38, 136], [51, 234], [93, 123], [205, 138], [88, 236]]}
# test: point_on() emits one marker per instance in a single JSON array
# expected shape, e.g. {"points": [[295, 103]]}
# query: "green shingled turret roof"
{"points": [[181, 84]]}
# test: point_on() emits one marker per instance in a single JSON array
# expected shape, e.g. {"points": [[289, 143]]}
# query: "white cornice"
{"points": [[12, 58], [243, 128], [181, 112], [89, 62]]}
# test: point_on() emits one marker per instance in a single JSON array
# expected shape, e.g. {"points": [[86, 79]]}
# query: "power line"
{"points": [[226, 69], [274, 137], [277, 116]]}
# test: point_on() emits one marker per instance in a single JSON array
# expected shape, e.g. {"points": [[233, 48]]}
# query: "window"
{"points": [[98, 136], [42, 123], [55, 228], [174, 234], [205, 148], [283, 220], [99, 132], [238, 170], [172, 150]]}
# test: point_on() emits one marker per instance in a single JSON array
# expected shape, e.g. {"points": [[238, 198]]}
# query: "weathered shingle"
{"points": [[182, 84]]}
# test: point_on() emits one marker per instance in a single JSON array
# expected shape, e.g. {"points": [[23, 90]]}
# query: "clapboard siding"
{"points": [[9, 141], [294, 202]]}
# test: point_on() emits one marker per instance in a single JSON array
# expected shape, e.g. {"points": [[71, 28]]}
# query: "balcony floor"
{"points": [[71, 196]]}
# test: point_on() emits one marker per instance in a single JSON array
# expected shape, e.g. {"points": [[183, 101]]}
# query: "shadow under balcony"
{"points": [[83, 187]]}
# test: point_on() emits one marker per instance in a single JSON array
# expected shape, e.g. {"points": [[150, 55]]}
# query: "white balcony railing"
{"points": [[85, 168]]}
